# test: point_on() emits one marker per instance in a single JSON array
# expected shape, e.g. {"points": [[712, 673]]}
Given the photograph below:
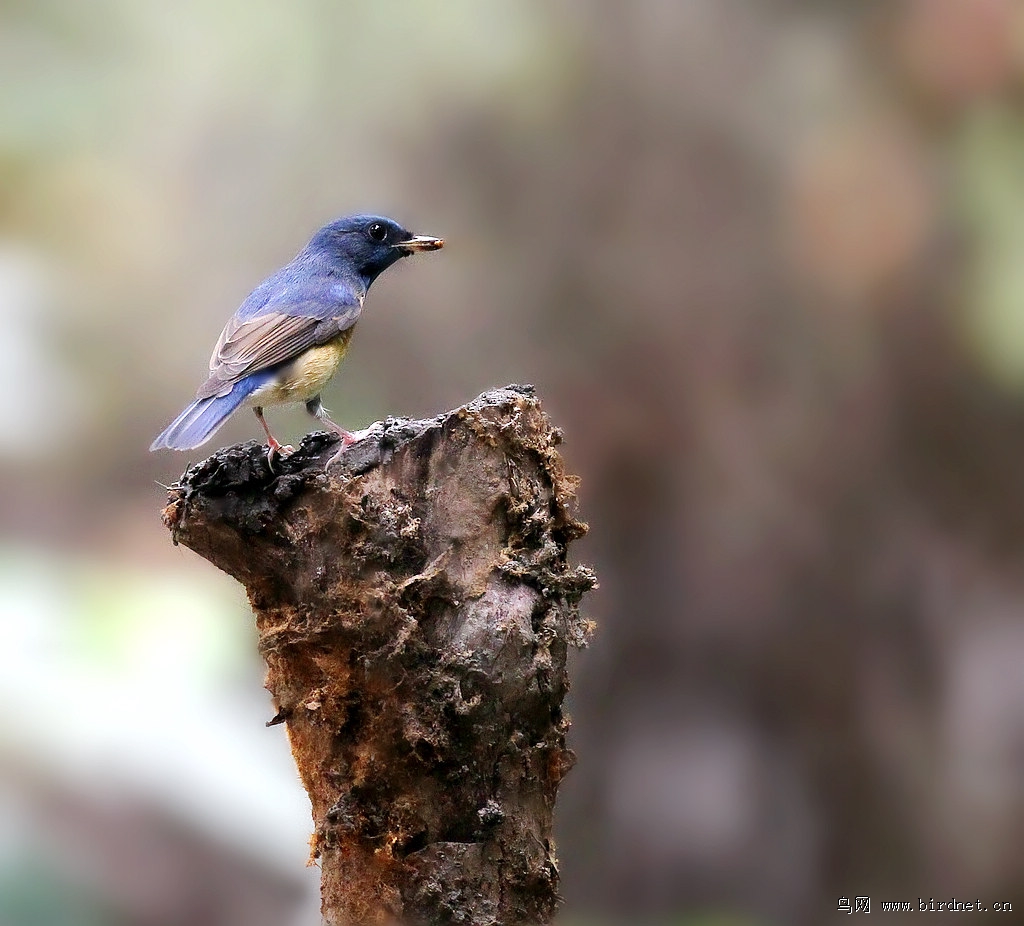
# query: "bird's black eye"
{"points": [[377, 231]]}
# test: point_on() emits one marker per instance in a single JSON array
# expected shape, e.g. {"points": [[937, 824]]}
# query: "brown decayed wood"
{"points": [[414, 606]]}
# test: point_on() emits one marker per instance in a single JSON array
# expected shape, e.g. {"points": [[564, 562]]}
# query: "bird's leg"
{"points": [[316, 408], [275, 448]]}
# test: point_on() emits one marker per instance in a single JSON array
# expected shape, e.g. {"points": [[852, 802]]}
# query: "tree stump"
{"points": [[414, 606]]}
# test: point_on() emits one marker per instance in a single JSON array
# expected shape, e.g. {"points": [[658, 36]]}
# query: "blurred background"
{"points": [[765, 264]]}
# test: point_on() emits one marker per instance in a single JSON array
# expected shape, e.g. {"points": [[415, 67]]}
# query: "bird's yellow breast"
{"points": [[306, 375]]}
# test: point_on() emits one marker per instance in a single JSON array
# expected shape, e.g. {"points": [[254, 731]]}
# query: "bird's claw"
{"points": [[347, 439], [278, 451]]}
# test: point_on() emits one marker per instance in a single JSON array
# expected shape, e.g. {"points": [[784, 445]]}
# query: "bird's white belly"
{"points": [[305, 376]]}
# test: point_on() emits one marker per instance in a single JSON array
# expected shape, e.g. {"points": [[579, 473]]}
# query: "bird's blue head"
{"points": [[367, 245]]}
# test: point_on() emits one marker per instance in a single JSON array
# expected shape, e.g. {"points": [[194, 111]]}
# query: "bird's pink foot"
{"points": [[346, 439], [276, 450]]}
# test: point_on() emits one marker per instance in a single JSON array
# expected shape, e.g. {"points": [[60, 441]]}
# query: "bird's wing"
{"points": [[249, 345]]}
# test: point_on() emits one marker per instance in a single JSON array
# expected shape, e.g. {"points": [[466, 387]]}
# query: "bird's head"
{"points": [[367, 244]]}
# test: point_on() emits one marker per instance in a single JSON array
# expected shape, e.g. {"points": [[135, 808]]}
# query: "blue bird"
{"points": [[285, 342]]}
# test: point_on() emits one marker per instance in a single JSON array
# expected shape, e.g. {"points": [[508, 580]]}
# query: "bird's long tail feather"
{"points": [[201, 420]]}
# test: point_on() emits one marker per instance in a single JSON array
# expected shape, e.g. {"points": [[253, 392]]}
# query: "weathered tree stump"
{"points": [[414, 607]]}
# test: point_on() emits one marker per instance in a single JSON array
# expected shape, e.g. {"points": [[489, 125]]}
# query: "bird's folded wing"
{"points": [[247, 346]]}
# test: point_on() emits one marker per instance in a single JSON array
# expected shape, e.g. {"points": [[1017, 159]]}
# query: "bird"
{"points": [[286, 340]]}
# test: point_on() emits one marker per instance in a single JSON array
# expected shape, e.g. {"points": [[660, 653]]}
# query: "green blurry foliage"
{"points": [[990, 170]]}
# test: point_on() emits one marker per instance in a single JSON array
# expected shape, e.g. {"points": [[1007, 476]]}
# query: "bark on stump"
{"points": [[414, 607]]}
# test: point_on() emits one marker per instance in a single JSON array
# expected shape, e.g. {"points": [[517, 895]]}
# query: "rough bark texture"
{"points": [[414, 606]]}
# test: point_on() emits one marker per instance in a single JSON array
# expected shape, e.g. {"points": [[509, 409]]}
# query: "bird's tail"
{"points": [[201, 420]]}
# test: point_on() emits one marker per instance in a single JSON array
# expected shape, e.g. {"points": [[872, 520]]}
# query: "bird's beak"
{"points": [[420, 243]]}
